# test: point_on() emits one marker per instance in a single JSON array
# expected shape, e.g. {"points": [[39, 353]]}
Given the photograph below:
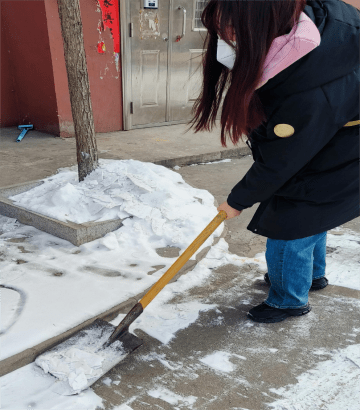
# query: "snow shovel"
{"points": [[84, 357]]}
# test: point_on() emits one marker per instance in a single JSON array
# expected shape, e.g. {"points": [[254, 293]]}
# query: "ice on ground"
{"points": [[332, 383], [171, 397], [219, 361]]}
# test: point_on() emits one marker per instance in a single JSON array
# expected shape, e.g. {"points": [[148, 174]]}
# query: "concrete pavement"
{"points": [[39, 155], [264, 356]]}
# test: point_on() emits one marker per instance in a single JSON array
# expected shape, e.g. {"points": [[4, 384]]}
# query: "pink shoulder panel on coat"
{"points": [[285, 50]]}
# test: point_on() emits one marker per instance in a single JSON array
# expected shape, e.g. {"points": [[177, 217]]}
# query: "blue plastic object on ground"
{"points": [[25, 129]]}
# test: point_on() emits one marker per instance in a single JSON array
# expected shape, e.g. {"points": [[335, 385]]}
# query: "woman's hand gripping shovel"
{"points": [[103, 344]]}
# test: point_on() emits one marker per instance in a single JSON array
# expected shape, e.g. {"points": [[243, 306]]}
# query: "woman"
{"points": [[289, 71]]}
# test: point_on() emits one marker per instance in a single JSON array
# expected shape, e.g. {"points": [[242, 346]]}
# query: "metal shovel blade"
{"points": [[86, 344]]}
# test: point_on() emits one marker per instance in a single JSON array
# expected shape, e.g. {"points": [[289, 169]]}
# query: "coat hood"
{"points": [[326, 31], [286, 49]]}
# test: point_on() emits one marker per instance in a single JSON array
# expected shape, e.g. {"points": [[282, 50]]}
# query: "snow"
{"points": [[332, 385], [81, 360], [122, 407], [219, 361], [77, 283], [107, 381], [30, 388], [342, 265], [162, 319], [171, 397], [208, 163], [176, 167], [119, 189], [55, 270]]}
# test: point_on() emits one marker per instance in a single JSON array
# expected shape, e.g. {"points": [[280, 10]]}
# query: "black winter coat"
{"points": [[308, 183]]}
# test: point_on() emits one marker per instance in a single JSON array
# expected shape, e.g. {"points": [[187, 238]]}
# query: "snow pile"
{"points": [[118, 189], [80, 360], [29, 388], [74, 365]]}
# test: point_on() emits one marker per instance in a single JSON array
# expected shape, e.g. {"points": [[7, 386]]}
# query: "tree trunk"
{"points": [[79, 87]]}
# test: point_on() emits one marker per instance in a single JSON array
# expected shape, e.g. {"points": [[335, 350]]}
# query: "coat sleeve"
{"points": [[310, 114]]}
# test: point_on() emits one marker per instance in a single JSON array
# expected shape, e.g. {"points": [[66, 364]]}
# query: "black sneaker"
{"points": [[267, 314], [317, 284]]}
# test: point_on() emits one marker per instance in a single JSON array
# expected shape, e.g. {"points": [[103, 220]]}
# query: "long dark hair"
{"points": [[255, 24]]}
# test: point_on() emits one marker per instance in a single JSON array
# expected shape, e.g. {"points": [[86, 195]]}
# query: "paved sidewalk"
{"points": [[262, 357], [39, 155]]}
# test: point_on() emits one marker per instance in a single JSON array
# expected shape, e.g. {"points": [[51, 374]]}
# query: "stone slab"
{"points": [[77, 234]]}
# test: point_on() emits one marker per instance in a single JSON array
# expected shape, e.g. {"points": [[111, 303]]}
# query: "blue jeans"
{"points": [[292, 266]]}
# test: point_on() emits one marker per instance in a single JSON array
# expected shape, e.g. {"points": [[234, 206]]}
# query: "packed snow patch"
{"points": [[219, 361], [171, 397], [122, 407], [164, 322], [107, 381]]}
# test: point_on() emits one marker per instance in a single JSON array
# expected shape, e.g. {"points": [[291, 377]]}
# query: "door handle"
{"points": [[178, 38]]}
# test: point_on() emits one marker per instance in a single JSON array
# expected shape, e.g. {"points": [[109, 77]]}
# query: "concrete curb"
{"points": [[207, 157], [27, 356]]}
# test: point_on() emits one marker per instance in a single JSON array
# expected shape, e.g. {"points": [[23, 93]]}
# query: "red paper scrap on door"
{"points": [[110, 17], [101, 47]]}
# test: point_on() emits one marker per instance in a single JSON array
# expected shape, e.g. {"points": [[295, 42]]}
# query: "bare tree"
{"points": [[79, 87]]}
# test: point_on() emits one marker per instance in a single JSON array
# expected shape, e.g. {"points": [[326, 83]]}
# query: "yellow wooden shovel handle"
{"points": [[183, 258]]}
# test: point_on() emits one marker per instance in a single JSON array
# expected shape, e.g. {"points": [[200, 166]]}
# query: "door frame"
{"points": [[125, 30]]}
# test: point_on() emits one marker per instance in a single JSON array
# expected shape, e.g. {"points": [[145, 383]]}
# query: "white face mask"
{"points": [[225, 54]]}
